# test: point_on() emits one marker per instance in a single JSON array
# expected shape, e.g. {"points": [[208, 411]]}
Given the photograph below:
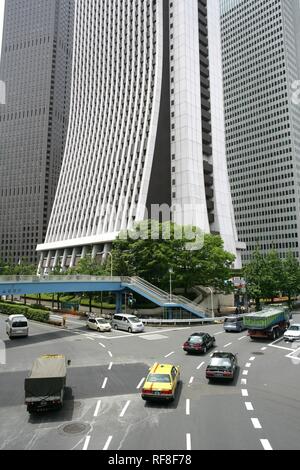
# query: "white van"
{"points": [[17, 326], [130, 323]]}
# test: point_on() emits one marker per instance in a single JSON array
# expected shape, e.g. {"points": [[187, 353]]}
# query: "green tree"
{"points": [[291, 274], [273, 279], [150, 257], [254, 273]]}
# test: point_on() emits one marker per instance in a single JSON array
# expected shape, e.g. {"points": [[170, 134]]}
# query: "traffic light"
{"points": [[131, 300]]}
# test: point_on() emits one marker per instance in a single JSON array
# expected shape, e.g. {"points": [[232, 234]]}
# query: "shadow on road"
{"points": [[35, 339]]}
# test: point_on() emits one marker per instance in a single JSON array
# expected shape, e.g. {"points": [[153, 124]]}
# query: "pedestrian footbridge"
{"points": [[25, 285]]}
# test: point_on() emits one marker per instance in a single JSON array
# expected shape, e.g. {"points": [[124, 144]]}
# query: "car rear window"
{"points": [[19, 324], [231, 320], [219, 361], [155, 378], [196, 339]]}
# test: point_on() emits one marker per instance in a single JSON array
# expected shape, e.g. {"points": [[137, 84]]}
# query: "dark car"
{"points": [[199, 343], [223, 365]]}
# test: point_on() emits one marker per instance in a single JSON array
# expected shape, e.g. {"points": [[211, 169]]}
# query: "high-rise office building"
{"points": [[36, 69], [261, 65], [146, 126]]}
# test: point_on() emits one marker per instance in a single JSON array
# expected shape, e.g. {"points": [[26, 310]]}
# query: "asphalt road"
{"points": [[104, 410]]}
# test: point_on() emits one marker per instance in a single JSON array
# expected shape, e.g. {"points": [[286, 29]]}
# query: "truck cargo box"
{"points": [[47, 377], [265, 319]]}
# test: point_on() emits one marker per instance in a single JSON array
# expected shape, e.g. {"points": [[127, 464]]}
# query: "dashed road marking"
{"points": [[252, 358], [191, 380], [104, 383], [125, 409], [103, 345], [219, 333], [243, 337], [248, 365], [245, 372], [110, 353], [244, 381], [141, 383], [107, 444], [226, 345], [97, 409], [188, 442], [188, 407], [264, 349], [266, 444], [86, 443], [249, 406], [170, 354], [200, 365], [245, 393], [110, 365], [256, 423]]}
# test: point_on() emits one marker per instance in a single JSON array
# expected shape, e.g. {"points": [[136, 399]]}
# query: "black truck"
{"points": [[45, 385]]}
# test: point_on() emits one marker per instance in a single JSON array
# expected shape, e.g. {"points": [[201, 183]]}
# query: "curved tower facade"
{"points": [[140, 131]]}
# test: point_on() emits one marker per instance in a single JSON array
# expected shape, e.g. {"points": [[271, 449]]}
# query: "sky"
{"points": [[1, 21]]}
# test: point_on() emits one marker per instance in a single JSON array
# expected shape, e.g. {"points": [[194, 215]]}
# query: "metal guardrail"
{"points": [[46, 278]]}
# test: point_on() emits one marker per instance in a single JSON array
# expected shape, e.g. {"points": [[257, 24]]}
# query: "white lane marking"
{"points": [[200, 365], [104, 383], [256, 423], [141, 383], [248, 365], [244, 381], [249, 406], [252, 358], [110, 354], [188, 407], [170, 354], [103, 345], [107, 444], [219, 333], [274, 345], [245, 393], [188, 442], [266, 444], [245, 372], [97, 409], [88, 337], [243, 337], [86, 444], [264, 349], [191, 380], [125, 409], [226, 345], [110, 365]]}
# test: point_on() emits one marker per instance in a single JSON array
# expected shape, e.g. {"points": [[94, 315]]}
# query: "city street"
{"points": [[104, 410]]}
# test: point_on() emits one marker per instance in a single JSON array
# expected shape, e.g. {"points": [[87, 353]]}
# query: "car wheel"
{"points": [[205, 350], [98, 329], [115, 327], [129, 330], [274, 334]]}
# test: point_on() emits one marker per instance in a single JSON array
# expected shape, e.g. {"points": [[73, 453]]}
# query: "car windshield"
{"points": [[19, 324], [155, 378], [220, 362], [101, 321], [134, 319], [294, 328], [196, 339]]}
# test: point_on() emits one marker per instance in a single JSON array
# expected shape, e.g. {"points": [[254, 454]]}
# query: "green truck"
{"points": [[269, 323], [45, 385]]}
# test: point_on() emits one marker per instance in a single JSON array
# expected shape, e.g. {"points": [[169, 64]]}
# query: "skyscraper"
{"points": [[146, 126], [261, 58], [36, 69]]}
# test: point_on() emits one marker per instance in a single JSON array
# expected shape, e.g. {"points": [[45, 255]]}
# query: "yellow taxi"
{"points": [[161, 382]]}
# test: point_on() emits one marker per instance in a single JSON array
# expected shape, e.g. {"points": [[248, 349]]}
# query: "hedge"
{"points": [[30, 313]]}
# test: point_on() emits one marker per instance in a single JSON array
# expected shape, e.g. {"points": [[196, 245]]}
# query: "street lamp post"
{"points": [[212, 302], [171, 272]]}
